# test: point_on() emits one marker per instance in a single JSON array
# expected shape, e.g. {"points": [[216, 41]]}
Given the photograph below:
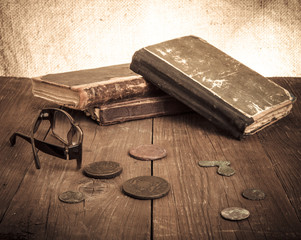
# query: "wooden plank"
{"points": [[287, 135], [192, 209], [106, 213], [18, 109], [30, 208]]}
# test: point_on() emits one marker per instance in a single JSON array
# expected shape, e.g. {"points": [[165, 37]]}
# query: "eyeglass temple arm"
{"points": [[12, 141], [42, 146]]}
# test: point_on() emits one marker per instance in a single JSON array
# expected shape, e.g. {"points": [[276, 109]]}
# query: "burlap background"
{"points": [[39, 37]]}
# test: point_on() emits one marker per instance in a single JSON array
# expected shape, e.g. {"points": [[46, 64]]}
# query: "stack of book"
{"points": [[109, 95], [173, 77]]}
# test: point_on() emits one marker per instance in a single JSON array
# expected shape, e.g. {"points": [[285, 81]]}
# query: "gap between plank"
{"points": [[152, 201]]}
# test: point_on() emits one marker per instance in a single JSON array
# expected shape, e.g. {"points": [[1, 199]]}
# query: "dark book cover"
{"points": [[134, 109]]}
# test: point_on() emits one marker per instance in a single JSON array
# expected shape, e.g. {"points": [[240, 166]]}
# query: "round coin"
{"points": [[225, 170], [222, 163], [103, 169], [213, 163], [235, 213], [146, 187], [148, 152], [71, 197], [253, 194]]}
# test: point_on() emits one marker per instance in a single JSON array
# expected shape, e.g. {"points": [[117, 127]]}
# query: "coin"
{"points": [[222, 163], [71, 197], [253, 194], [235, 213], [103, 169], [213, 163], [225, 170], [146, 187], [148, 152]]}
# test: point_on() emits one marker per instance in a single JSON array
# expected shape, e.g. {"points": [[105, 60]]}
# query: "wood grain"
{"points": [[18, 109], [192, 209], [105, 209], [282, 145], [269, 160], [106, 212]]}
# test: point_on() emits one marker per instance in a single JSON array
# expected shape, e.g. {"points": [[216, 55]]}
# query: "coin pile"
{"points": [[152, 187]]}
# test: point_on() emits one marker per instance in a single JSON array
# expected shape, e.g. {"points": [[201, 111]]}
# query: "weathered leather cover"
{"points": [[134, 109], [84, 88], [212, 83]]}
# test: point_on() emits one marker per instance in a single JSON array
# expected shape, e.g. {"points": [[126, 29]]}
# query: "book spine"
{"points": [[115, 90], [198, 99], [135, 109]]}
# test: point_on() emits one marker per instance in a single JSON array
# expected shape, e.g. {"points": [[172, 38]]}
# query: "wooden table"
{"points": [[269, 160]]}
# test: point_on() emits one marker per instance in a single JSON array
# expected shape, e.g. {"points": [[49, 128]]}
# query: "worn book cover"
{"points": [[134, 109], [220, 88], [84, 88]]}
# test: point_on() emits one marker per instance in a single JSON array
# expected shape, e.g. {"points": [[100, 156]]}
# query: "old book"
{"points": [[213, 84], [134, 109], [85, 88]]}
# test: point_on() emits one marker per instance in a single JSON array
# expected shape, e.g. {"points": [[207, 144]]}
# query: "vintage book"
{"points": [[212, 83], [108, 95], [134, 109], [85, 88]]}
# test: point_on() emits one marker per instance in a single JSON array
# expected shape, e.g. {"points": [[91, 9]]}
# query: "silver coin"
{"points": [[71, 197], [213, 163], [235, 213], [253, 194], [225, 170]]}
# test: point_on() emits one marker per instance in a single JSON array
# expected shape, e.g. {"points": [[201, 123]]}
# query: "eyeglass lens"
{"points": [[63, 129]]}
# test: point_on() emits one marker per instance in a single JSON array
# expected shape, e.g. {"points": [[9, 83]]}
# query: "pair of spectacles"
{"points": [[63, 128]]}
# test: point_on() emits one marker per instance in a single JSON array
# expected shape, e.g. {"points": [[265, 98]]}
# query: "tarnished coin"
{"points": [[235, 213], [213, 163], [225, 170], [148, 152], [71, 197], [103, 169], [222, 163], [146, 187], [253, 194]]}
